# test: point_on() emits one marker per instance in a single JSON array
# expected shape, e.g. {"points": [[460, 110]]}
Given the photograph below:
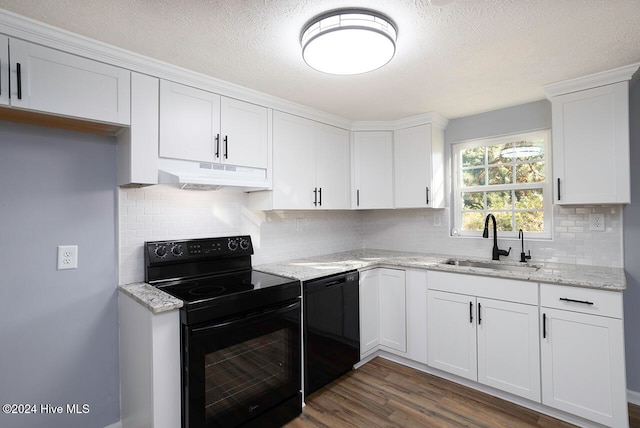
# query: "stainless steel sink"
{"points": [[491, 265]]}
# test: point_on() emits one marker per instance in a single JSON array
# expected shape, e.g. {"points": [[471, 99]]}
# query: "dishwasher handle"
{"points": [[331, 281]]}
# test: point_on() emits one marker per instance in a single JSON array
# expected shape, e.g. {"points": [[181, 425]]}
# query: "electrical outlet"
{"points": [[67, 257], [596, 222], [437, 220]]}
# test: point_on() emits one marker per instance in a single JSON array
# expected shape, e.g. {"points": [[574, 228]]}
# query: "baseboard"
{"points": [[633, 397], [115, 425]]}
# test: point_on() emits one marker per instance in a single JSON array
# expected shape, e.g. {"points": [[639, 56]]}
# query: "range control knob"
{"points": [[244, 243], [160, 251], [233, 244], [176, 250]]}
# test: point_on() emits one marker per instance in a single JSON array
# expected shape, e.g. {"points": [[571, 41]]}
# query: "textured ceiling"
{"points": [[454, 57]]}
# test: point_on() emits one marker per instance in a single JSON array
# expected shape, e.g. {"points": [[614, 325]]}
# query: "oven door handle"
{"points": [[269, 313]]}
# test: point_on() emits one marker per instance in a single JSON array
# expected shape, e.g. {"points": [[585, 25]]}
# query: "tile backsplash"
{"points": [[163, 212]]}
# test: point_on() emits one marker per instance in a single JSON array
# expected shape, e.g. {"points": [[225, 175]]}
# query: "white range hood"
{"points": [[210, 176]]}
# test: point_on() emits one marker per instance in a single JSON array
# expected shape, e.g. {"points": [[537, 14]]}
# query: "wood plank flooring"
{"points": [[386, 394]]}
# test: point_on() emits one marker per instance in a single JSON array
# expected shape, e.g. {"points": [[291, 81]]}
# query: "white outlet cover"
{"points": [[67, 257], [596, 222]]}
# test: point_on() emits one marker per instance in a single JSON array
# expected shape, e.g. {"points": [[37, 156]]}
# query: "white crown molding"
{"points": [[602, 78], [421, 119], [14, 25]]}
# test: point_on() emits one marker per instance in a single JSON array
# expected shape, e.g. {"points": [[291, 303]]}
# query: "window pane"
{"points": [[504, 222], [494, 155], [472, 157], [530, 172], [501, 174], [529, 199], [530, 221], [499, 200], [473, 201], [473, 220], [473, 177]]}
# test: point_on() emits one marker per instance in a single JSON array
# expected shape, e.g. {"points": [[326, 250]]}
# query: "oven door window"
{"points": [[238, 368]]}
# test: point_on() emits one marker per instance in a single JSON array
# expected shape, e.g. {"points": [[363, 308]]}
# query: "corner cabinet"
{"points": [[486, 330], [311, 164], [591, 138], [582, 349], [418, 154], [383, 311], [373, 169], [46, 80], [202, 126]]}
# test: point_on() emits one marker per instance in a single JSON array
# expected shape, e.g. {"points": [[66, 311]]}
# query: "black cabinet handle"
{"points": [[479, 314], [226, 148], [315, 196], [358, 198], [427, 195], [558, 189], [217, 146], [544, 326], [320, 196], [19, 72], [471, 312], [584, 302]]}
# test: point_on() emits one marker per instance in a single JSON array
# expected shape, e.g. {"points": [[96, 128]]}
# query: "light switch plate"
{"points": [[67, 257]]}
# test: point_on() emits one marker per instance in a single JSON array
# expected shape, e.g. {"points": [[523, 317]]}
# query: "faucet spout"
{"points": [[497, 252]]}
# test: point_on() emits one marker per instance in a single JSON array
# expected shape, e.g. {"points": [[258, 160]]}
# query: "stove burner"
{"points": [[207, 290]]}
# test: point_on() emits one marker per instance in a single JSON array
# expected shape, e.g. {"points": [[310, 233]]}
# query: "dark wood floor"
{"points": [[385, 394]]}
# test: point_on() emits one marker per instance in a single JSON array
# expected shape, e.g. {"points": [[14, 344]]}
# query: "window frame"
{"points": [[547, 189]]}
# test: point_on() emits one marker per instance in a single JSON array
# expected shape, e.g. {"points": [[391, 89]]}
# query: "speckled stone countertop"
{"points": [[155, 300], [574, 275]]}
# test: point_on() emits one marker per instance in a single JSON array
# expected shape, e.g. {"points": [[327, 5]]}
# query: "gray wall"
{"points": [[521, 118], [58, 329], [632, 249]]}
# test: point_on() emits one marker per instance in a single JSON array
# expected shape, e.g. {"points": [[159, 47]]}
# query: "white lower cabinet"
{"points": [[416, 285], [474, 334], [582, 349], [382, 311]]}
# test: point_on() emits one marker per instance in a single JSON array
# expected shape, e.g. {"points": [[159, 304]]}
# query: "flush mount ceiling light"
{"points": [[521, 150], [348, 41]]}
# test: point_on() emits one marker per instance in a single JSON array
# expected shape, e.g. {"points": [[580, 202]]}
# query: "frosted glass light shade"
{"points": [[348, 41]]}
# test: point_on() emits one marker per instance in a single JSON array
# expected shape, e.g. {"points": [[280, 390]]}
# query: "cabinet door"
{"points": [[417, 315], [393, 327], [412, 167], [60, 83], [189, 123], [333, 178], [583, 367], [591, 146], [244, 133], [4, 70], [369, 312], [373, 170], [293, 166], [508, 347], [451, 333]]}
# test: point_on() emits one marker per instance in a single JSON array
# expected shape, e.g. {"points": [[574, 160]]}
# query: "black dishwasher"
{"points": [[331, 328]]}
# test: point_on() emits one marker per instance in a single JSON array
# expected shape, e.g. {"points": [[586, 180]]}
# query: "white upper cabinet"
{"points": [[591, 138], [373, 169], [202, 126], [49, 81], [419, 167], [310, 164], [4, 70]]}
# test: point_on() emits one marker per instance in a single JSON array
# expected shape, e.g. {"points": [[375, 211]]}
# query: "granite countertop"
{"points": [[600, 277], [155, 300], [306, 269]]}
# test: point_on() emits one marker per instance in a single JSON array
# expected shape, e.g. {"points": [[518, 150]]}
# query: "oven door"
{"points": [[243, 370]]}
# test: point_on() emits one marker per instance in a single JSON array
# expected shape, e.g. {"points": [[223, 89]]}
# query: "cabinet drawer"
{"points": [[511, 290], [585, 300]]}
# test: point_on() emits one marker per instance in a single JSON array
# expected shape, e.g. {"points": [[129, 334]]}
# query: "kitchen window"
{"points": [[507, 176]]}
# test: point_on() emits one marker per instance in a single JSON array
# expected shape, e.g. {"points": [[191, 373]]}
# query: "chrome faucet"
{"points": [[496, 251], [523, 257]]}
